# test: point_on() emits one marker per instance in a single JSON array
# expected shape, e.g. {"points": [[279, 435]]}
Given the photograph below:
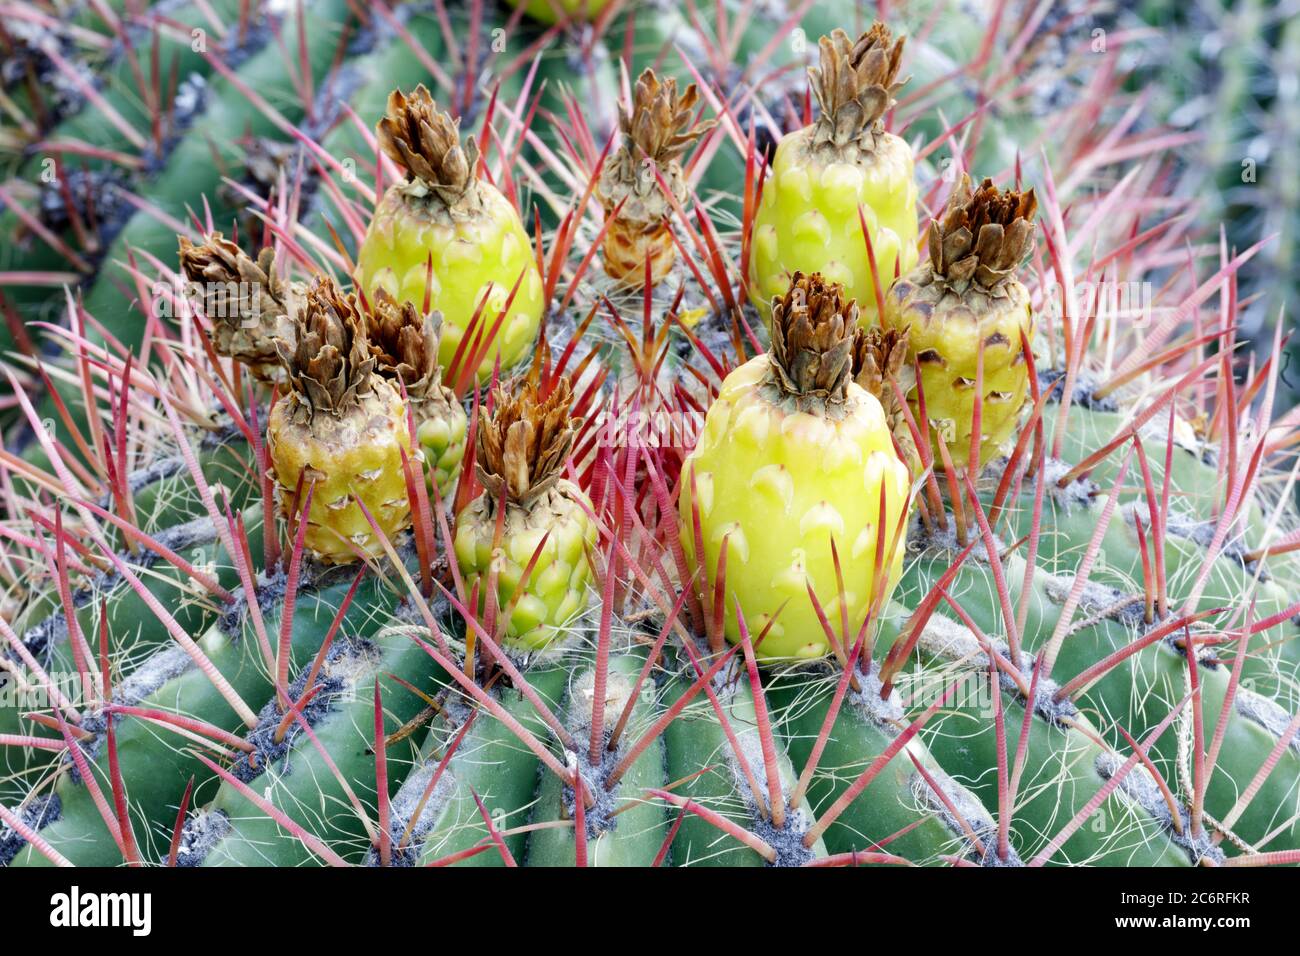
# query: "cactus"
{"points": [[505, 621], [1236, 105]]}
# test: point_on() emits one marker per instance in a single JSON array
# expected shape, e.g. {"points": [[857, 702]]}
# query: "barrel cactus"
{"points": [[771, 560]]}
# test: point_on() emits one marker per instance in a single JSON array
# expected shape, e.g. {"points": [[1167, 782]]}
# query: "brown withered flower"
{"points": [[426, 140], [525, 441], [983, 235], [329, 363], [404, 344], [246, 303], [855, 83], [813, 327], [657, 130]]}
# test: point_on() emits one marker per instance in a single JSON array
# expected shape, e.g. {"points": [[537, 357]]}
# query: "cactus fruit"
{"points": [[447, 237], [840, 178], [337, 438], [523, 542], [635, 182], [405, 347], [795, 472], [610, 642], [969, 319]]}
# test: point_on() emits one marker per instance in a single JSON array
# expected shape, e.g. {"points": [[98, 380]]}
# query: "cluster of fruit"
{"points": [[819, 425]]}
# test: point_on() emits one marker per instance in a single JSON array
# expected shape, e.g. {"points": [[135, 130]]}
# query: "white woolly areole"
{"points": [[1267, 713], [582, 698]]}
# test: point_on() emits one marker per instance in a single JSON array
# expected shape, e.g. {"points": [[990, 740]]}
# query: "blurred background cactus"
{"points": [[1227, 74]]}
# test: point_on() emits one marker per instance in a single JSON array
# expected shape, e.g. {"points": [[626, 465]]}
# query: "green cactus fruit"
{"points": [[523, 447], [446, 236], [795, 474], [968, 319], [828, 179]]}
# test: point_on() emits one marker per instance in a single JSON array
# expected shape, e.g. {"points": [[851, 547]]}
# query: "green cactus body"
{"points": [[898, 802], [232, 831], [1160, 672], [633, 836], [127, 615], [43, 626], [1251, 732], [697, 739], [489, 762], [119, 92], [154, 769], [1061, 776], [1062, 767], [190, 170], [230, 116], [1138, 694]]}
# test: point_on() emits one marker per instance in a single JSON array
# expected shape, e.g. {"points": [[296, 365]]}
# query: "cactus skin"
{"points": [[155, 769], [697, 739], [442, 442], [945, 344], [855, 741], [349, 461], [1160, 670], [302, 781], [489, 762], [779, 487], [635, 835]]}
